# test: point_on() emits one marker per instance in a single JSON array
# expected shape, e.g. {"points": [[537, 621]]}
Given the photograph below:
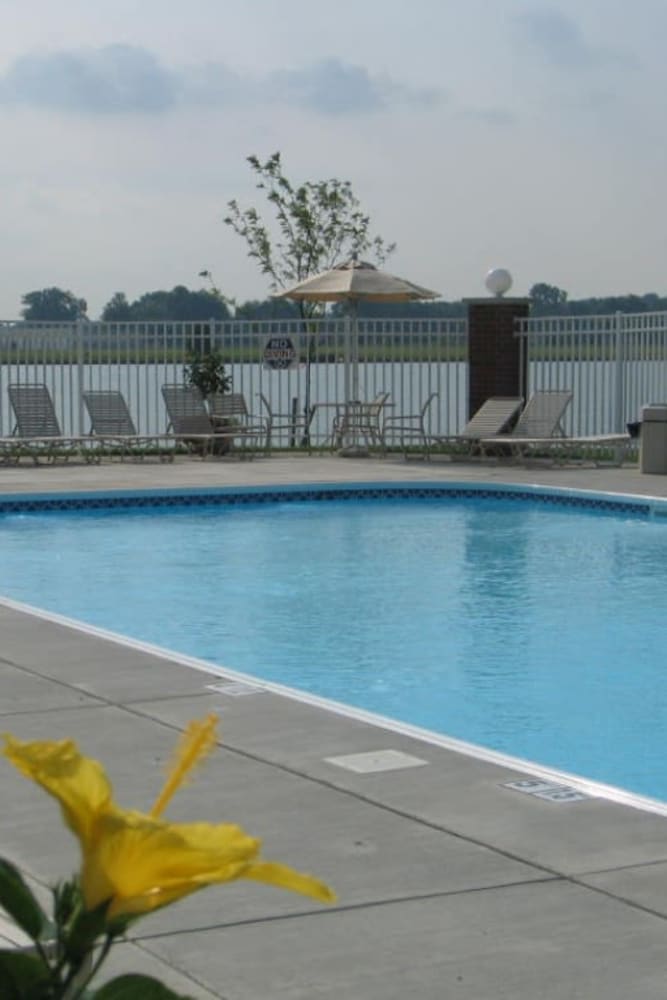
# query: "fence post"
{"points": [[619, 374], [78, 333], [495, 365]]}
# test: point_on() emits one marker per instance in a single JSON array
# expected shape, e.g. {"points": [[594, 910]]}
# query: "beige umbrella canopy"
{"points": [[354, 281]]}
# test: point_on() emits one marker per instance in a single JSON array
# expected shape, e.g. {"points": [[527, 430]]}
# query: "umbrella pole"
{"points": [[354, 338], [347, 357], [352, 447]]}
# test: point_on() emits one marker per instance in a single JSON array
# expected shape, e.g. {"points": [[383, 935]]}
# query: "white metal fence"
{"points": [[614, 364], [408, 359]]}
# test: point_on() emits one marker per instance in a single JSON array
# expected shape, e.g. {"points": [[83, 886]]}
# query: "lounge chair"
{"points": [[540, 419], [188, 421], [191, 424], [539, 430], [37, 431], [492, 418], [409, 428], [112, 424], [600, 449]]}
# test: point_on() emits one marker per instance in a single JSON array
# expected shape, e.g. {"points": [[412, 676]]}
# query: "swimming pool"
{"points": [[528, 622]]}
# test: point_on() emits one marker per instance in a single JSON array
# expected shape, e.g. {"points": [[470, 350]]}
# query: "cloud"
{"points": [[126, 78], [334, 87], [560, 41], [116, 78]]}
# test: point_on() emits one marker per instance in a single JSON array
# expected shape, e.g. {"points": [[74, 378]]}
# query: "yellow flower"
{"points": [[137, 862]]}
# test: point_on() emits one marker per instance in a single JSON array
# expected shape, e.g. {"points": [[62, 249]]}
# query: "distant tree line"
{"points": [[55, 304], [548, 300]]}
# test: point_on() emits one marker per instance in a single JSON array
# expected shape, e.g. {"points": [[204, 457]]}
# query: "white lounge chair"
{"points": [[541, 419], [539, 430], [491, 419]]}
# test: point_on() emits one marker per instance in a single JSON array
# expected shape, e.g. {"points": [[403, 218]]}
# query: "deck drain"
{"points": [[547, 790], [376, 760], [234, 689]]}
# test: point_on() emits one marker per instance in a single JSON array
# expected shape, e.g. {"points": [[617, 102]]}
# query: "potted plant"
{"points": [[207, 373]]}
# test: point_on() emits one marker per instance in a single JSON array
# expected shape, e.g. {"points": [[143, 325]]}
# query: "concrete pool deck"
{"points": [[450, 883]]}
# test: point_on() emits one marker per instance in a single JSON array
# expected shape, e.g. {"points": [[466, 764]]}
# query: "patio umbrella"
{"points": [[354, 281]]}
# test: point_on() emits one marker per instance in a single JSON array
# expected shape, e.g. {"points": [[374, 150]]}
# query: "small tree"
{"points": [[317, 225], [207, 373]]}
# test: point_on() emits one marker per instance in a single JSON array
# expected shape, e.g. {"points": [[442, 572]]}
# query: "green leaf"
{"points": [[17, 899], [21, 974], [136, 987]]}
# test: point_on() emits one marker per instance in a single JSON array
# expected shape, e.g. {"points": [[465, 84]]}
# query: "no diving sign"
{"points": [[280, 353]]}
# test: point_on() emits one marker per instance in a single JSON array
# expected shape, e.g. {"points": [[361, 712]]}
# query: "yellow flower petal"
{"points": [[197, 741], [285, 877], [78, 783], [139, 863]]}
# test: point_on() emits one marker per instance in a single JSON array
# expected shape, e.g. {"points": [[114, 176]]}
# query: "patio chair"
{"points": [[231, 417], [112, 424], [294, 426], [540, 421], [409, 428], [491, 419], [37, 432], [357, 420]]}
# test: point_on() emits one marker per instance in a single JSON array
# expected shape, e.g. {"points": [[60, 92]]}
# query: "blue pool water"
{"points": [[539, 630]]}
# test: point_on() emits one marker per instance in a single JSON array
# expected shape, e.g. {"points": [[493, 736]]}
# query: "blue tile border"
{"points": [[223, 496]]}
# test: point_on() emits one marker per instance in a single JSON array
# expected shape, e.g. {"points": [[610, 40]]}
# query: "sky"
{"points": [[523, 134]]}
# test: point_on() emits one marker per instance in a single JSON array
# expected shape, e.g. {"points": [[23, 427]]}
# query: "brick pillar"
{"points": [[494, 353]]}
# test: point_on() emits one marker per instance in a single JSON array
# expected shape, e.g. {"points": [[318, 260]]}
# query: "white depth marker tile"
{"points": [[376, 760]]}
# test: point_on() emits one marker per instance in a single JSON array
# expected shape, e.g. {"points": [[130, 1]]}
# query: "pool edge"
{"points": [[589, 787]]}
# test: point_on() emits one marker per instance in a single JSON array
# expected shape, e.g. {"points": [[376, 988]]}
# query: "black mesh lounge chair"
{"points": [[191, 424], [188, 421]]}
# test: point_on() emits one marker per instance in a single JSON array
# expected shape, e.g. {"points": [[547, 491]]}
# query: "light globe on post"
{"points": [[498, 281]]}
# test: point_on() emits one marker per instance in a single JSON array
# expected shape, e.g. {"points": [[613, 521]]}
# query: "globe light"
{"points": [[498, 281]]}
